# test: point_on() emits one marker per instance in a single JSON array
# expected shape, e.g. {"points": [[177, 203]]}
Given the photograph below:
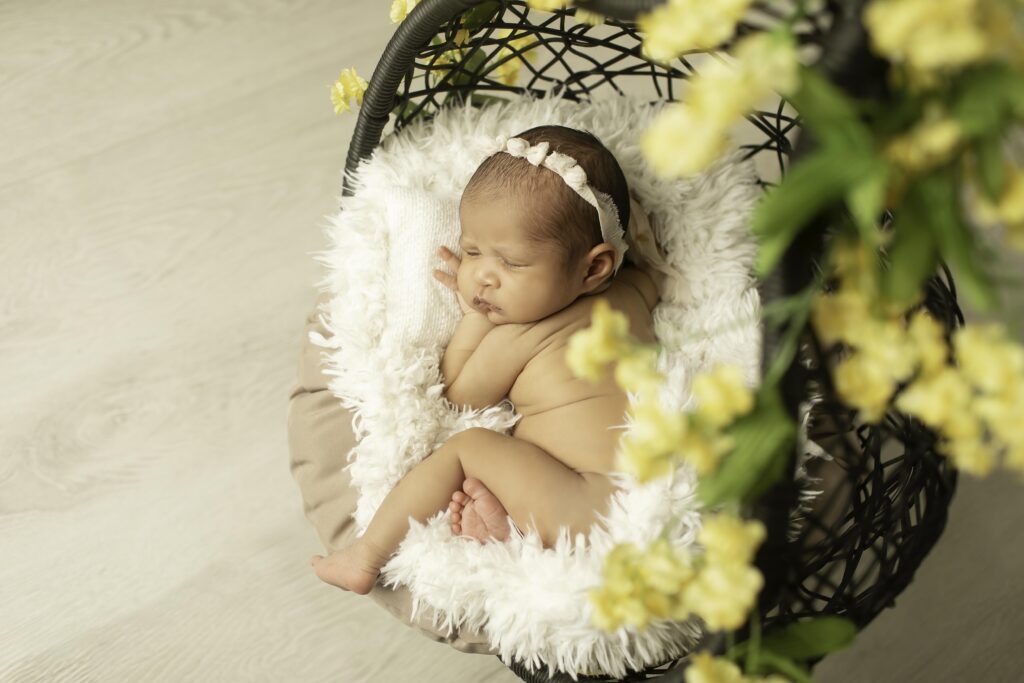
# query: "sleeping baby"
{"points": [[542, 241]]}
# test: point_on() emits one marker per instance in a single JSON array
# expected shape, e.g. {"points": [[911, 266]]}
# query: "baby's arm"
{"points": [[489, 372], [470, 331], [482, 360]]}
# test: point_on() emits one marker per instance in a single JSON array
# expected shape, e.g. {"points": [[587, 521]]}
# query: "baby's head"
{"points": [[531, 245]]}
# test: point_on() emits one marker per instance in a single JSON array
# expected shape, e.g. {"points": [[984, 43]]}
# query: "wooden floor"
{"points": [[165, 172]]}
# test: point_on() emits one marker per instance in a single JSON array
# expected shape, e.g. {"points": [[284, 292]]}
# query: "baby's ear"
{"points": [[600, 265]]}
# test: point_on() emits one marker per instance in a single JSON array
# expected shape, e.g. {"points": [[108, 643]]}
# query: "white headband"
{"points": [[575, 177]]}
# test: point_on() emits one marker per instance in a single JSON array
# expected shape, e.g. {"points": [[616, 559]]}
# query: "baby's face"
{"points": [[503, 273]]}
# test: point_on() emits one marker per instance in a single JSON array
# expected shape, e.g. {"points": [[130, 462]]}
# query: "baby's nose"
{"points": [[486, 276]]}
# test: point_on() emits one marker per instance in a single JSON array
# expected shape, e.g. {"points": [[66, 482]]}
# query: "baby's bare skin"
{"points": [[572, 419], [521, 305]]}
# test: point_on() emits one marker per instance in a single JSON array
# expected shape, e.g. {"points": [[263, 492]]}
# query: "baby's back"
{"points": [[573, 419]]}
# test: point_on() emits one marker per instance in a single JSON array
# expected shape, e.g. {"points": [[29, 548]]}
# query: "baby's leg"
{"points": [[538, 491]]}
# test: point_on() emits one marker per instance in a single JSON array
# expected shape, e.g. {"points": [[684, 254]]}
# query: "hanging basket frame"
{"points": [[886, 489]]}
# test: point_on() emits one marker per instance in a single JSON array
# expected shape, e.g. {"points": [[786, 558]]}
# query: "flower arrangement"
{"points": [[930, 149], [956, 82]]}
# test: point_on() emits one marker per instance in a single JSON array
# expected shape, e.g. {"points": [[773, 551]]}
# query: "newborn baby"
{"points": [[541, 242]]}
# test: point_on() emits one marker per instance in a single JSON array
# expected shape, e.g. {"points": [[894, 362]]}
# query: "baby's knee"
{"points": [[467, 439]]}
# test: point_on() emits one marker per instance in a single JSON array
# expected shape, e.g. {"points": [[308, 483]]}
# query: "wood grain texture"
{"points": [[165, 174]]}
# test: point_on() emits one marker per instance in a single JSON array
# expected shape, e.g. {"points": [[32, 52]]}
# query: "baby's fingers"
{"points": [[449, 258], [446, 279]]}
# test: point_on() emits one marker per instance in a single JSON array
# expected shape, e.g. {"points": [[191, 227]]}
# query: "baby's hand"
{"points": [[448, 280]]}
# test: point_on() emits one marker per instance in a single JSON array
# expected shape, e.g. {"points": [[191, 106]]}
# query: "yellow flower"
{"points": [[638, 585], [934, 398], [637, 372], [585, 17], [865, 384], [400, 9], [511, 56], [970, 455], [927, 35], [723, 594], [1015, 459], [770, 62], [680, 142], [655, 436], [727, 538], [548, 5], [704, 451], [722, 395], [841, 316], [928, 338], [507, 72], [1007, 210], [686, 137], [1002, 415], [683, 25], [987, 358], [927, 145], [590, 350], [705, 668], [665, 569], [348, 86], [889, 346]]}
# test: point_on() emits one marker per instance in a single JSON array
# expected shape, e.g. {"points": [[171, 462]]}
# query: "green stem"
{"points": [[754, 653]]}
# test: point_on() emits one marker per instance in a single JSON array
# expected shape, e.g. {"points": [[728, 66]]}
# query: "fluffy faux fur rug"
{"points": [[531, 602]]}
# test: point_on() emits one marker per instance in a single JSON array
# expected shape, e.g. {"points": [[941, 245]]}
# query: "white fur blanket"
{"points": [[530, 601]]}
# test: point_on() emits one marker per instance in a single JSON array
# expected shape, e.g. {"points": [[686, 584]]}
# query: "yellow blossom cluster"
{"points": [[607, 339], [587, 17], [929, 38], [658, 438], [679, 26], [879, 356], [974, 403], [548, 5], [928, 144], [977, 405], [1007, 210], [348, 86], [705, 668], [686, 137], [400, 9], [663, 582], [511, 57]]}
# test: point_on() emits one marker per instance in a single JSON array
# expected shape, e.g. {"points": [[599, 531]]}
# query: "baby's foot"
{"points": [[352, 568], [478, 513]]}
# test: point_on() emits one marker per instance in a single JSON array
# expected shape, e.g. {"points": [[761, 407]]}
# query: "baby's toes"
{"points": [[454, 507], [460, 497]]}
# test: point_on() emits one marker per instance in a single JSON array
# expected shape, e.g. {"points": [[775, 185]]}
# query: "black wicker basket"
{"points": [[886, 489]]}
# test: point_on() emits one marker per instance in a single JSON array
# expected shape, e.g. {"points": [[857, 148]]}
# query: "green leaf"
{"points": [[813, 183], [828, 113], [467, 69], [985, 96], [912, 254], [771, 662], [811, 638], [957, 245], [761, 437], [480, 15], [989, 152], [866, 201]]}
